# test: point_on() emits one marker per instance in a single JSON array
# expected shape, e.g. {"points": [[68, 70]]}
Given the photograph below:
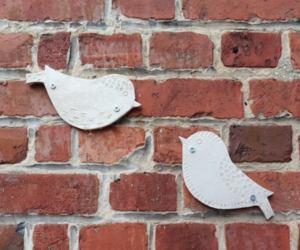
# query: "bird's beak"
{"points": [[182, 139], [136, 104]]}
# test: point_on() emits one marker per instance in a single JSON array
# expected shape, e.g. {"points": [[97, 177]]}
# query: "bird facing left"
{"points": [[87, 104], [213, 179]]}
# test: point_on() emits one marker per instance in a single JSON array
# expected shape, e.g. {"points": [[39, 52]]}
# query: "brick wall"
{"points": [[230, 67]]}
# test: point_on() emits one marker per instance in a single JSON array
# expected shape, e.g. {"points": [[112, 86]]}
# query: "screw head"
{"points": [[252, 197], [192, 149], [117, 108], [52, 85]]}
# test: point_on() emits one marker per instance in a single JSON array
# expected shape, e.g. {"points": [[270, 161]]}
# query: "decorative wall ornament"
{"points": [[87, 104], [213, 179]]}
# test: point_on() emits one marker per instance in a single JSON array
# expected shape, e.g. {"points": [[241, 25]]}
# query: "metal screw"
{"points": [[53, 85], [117, 108], [252, 197], [192, 149]]}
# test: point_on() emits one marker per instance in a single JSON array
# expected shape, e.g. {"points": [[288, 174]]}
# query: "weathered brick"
{"points": [[260, 143], [48, 194], [51, 236], [167, 146], [53, 143], [10, 239], [115, 51], [245, 49], [19, 99], [13, 145], [242, 10], [122, 236], [144, 192], [53, 50], [146, 9], [284, 185], [186, 236], [56, 10], [109, 145], [180, 50], [271, 97], [295, 49], [248, 236], [15, 49], [192, 203], [189, 98]]}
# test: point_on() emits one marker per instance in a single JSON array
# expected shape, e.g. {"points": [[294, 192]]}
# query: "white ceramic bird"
{"points": [[213, 179], [84, 103]]}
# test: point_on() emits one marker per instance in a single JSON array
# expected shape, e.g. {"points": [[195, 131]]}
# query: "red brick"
{"points": [[15, 50], [109, 145], [295, 49], [48, 194], [248, 236], [284, 185], [182, 50], [167, 146], [51, 236], [122, 236], [13, 145], [186, 237], [53, 144], [10, 239], [192, 203], [53, 50], [56, 10], [243, 49], [19, 99], [271, 97], [144, 192], [115, 51], [189, 98], [242, 10], [260, 143], [146, 9]]}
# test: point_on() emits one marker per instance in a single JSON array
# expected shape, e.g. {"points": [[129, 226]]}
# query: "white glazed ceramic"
{"points": [[213, 179], [87, 104]]}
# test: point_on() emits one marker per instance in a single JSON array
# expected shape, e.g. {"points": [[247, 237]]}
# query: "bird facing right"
{"points": [[213, 179]]}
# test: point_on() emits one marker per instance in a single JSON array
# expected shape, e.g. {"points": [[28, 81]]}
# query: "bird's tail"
{"points": [[266, 208]]}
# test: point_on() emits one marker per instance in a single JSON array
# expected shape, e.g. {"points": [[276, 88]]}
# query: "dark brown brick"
{"points": [[260, 143], [186, 236]]}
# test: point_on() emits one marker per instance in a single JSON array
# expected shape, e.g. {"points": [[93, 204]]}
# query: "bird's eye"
{"points": [[117, 108], [252, 197], [192, 149]]}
